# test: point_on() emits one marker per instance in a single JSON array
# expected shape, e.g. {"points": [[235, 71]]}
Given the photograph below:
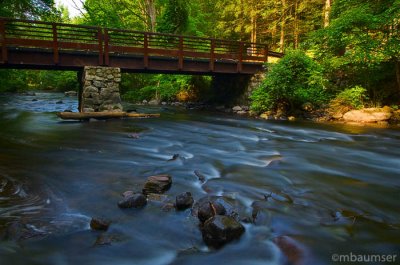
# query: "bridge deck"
{"points": [[44, 45]]}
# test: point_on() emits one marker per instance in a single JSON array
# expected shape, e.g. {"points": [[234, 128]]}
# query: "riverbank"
{"points": [[375, 117]]}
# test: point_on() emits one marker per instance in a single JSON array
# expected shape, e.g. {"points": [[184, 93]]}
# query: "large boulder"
{"points": [[368, 115], [221, 229]]}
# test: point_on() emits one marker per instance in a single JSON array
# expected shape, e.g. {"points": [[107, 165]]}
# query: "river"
{"points": [[333, 189]]}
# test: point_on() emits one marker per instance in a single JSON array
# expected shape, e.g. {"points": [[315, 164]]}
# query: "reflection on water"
{"points": [[331, 189]]}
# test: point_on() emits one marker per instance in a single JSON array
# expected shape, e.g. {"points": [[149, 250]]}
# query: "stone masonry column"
{"points": [[100, 90]]}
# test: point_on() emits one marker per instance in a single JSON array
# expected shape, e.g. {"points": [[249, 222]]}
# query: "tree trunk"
{"points": [[296, 25], [151, 11], [327, 12], [253, 32], [283, 24], [242, 21], [398, 73]]}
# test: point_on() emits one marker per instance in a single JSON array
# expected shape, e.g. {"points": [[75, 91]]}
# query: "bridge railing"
{"points": [[56, 37], [105, 42]]}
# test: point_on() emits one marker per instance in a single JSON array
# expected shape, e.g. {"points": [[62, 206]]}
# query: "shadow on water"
{"points": [[333, 189]]}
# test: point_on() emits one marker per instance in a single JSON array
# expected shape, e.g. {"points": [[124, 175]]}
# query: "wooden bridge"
{"points": [[29, 44]]}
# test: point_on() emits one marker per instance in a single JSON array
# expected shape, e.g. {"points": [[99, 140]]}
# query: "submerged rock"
{"points": [[174, 157], [103, 240], [200, 176], [28, 93], [134, 200], [157, 184], [157, 197], [168, 207], [184, 201], [128, 193], [99, 224], [209, 209], [294, 253], [18, 231], [220, 230]]}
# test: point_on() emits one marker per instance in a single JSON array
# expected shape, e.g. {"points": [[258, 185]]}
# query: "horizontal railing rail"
{"points": [[108, 42]]}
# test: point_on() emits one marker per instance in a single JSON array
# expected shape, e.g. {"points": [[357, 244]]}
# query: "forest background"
{"points": [[344, 52]]}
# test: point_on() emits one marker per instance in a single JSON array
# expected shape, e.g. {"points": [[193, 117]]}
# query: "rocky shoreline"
{"points": [[376, 117]]}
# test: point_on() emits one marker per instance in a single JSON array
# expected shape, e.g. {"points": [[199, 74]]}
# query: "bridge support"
{"points": [[235, 89], [99, 89]]}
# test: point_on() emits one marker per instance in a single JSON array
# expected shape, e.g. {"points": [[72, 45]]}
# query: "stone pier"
{"points": [[100, 89]]}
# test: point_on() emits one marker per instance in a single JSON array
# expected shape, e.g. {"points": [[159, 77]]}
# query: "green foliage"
{"points": [[11, 81], [31, 9], [296, 79], [57, 80], [354, 97], [136, 88], [174, 18], [21, 80], [361, 46]]}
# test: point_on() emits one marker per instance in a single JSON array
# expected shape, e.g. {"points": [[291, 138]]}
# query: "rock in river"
{"points": [[71, 93], [368, 115], [210, 209], [135, 200], [184, 201], [157, 184], [99, 224], [221, 229], [293, 251]]}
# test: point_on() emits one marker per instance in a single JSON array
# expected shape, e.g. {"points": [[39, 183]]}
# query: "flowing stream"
{"points": [[331, 188]]}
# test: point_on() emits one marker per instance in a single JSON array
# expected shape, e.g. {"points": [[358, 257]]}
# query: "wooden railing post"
{"points": [[101, 49], [212, 56], [266, 53], [240, 59], [180, 54], [146, 50], [3, 41], [56, 57], [106, 48]]}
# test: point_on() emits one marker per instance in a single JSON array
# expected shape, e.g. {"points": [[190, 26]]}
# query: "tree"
{"points": [[128, 14], [175, 17], [28, 9], [363, 35], [296, 79]]}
